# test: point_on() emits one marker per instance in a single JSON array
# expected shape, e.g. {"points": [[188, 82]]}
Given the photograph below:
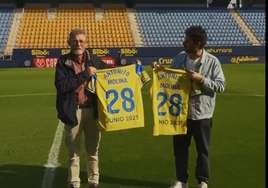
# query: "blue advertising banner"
{"points": [[222, 59], [141, 52], [9, 64], [235, 54]]}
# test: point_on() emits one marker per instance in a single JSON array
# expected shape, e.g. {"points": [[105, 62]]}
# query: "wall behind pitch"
{"points": [[140, 52], [237, 54], [9, 63], [222, 59]]}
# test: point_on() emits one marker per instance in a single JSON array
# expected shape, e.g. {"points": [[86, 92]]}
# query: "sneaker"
{"points": [[203, 185], [93, 185], [179, 184]]}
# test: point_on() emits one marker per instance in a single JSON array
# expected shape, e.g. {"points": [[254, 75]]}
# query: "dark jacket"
{"points": [[66, 81]]}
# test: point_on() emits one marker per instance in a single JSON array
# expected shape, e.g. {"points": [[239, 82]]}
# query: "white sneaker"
{"points": [[202, 185], [179, 184]]}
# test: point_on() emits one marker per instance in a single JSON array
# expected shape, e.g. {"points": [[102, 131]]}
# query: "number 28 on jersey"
{"points": [[170, 94], [120, 104]]}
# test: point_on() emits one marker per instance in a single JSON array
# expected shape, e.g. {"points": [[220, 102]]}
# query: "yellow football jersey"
{"points": [[170, 92], [120, 104]]}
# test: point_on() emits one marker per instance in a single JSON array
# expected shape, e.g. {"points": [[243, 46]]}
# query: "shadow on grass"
{"points": [[22, 176]]}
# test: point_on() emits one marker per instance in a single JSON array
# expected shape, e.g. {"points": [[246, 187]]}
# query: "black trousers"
{"points": [[200, 130]]}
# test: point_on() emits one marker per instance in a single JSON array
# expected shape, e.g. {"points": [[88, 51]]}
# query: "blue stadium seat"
{"points": [[167, 25], [255, 19], [6, 18]]}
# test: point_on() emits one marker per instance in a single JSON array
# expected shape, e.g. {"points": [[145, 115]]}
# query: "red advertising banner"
{"points": [[49, 62], [45, 62], [109, 60]]}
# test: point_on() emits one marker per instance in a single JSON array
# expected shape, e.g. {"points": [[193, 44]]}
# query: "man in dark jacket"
{"points": [[77, 108]]}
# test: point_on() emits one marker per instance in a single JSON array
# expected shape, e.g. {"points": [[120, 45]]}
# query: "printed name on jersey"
{"points": [[123, 72], [170, 76]]}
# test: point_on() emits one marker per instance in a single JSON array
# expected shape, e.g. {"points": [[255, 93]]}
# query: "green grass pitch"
{"points": [[132, 158]]}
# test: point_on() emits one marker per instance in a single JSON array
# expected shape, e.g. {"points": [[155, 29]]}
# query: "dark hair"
{"points": [[198, 34]]}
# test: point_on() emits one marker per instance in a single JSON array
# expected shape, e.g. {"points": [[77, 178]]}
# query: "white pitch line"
{"points": [[47, 94], [52, 161]]}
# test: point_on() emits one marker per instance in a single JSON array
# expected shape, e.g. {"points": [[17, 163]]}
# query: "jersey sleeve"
{"points": [[91, 86], [142, 74]]}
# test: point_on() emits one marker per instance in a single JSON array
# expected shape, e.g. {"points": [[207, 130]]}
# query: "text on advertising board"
{"points": [[165, 61], [101, 52], [239, 59], [108, 60], [45, 62], [129, 51], [219, 50], [65, 51], [40, 53]]}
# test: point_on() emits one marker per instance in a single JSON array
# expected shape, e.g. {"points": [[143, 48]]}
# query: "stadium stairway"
{"points": [[14, 32], [52, 13], [253, 39], [134, 27], [99, 13]]}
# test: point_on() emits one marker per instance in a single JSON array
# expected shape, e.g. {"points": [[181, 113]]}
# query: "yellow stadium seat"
{"points": [[37, 30]]}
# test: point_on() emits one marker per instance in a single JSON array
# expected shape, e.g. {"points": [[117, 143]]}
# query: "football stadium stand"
{"points": [[123, 27], [166, 26], [6, 19], [255, 19], [37, 30]]}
